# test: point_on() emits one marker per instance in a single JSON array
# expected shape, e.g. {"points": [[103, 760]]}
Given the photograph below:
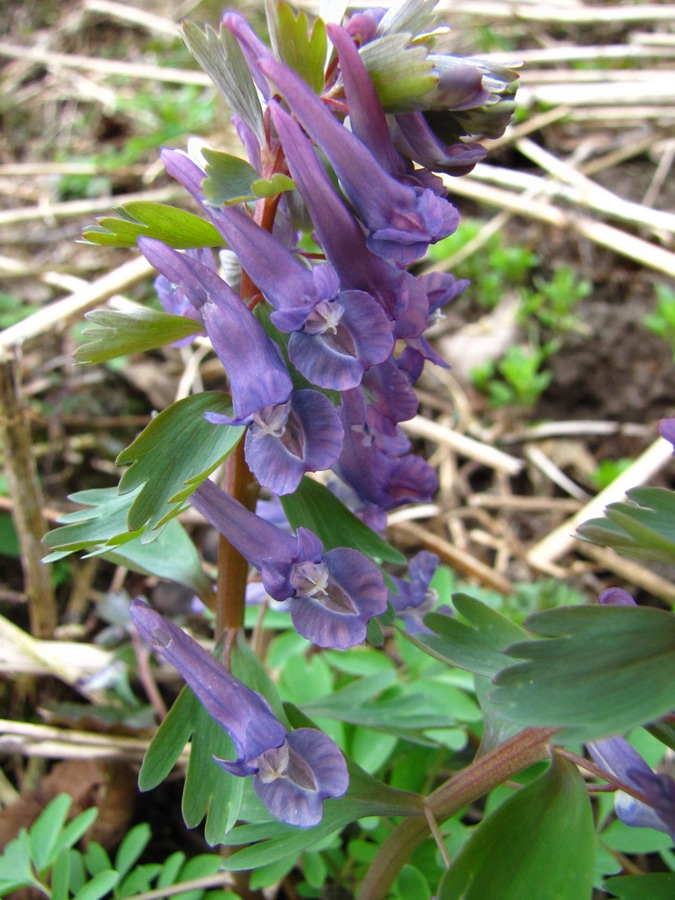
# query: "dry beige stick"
{"points": [[60, 313], [606, 235], [575, 427], [562, 540], [457, 559], [127, 13], [625, 93], [557, 13], [74, 208], [547, 467], [660, 39], [607, 160], [618, 116], [106, 66], [45, 740], [575, 53], [629, 570], [593, 195], [583, 76], [26, 496], [526, 504], [464, 445], [19, 170], [661, 173], [533, 123]]}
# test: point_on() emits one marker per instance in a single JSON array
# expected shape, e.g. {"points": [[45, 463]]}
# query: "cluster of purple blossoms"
{"points": [[322, 349], [350, 325]]}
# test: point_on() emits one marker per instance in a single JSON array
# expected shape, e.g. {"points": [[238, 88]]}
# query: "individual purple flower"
{"points": [[173, 297], [333, 595], [258, 377], [293, 773], [414, 138], [616, 597], [618, 758], [286, 440], [336, 334], [667, 430], [397, 292], [415, 598], [401, 221], [367, 464]]}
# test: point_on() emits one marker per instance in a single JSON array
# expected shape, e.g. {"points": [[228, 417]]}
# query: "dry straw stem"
{"points": [[62, 743], [74, 208], [105, 66], [454, 557], [568, 13], [605, 235], [562, 540], [26, 496], [62, 312], [464, 445]]}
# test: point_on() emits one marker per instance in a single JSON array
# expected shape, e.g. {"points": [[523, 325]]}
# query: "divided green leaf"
{"points": [[315, 507], [479, 646], [402, 74], [232, 180], [176, 227], [172, 456], [646, 886], [600, 670], [301, 49], [538, 843], [115, 333], [642, 528], [223, 61]]}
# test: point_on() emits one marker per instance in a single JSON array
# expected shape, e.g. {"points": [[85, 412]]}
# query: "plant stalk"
{"points": [[527, 747]]}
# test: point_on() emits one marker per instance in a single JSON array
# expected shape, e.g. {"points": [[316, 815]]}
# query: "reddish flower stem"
{"points": [[486, 773]]}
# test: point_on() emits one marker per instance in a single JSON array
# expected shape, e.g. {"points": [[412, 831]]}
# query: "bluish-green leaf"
{"points": [[15, 864], [222, 59], [171, 555], [366, 796], [169, 740], [401, 73], [643, 527], [116, 333], [102, 521], [601, 670], [303, 51], [172, 456], [478, 646], [649, 886], [538, 843], [313, 506], [232, 180], [75, 829], [175, 227], [209, 789]]}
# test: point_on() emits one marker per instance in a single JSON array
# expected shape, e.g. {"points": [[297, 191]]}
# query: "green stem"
{"points": [[527, 747]]}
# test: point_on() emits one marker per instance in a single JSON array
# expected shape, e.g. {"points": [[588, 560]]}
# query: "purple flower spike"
{"points": [[287, 440], [617, 757], [402, 221], [415, 598], [257, 380], [294, 780], [332, 596], [244, 714]]}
